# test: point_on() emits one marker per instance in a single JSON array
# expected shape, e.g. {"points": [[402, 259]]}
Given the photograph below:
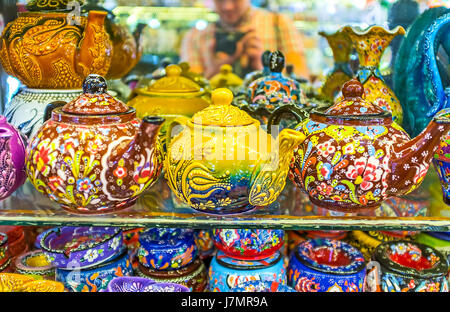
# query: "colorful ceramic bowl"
{"points": [[166, 252], [262, 286], [226, 273], [407, 266], [35, 263], [194, 276], [4, 249], [166, 287], [323, 265], [96, 278], [12, 282], [129, 284], [252, 244], [81, 247]]}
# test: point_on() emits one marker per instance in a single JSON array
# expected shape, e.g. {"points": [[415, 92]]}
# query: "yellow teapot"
{"points": [[221, 161], [170, 97]]}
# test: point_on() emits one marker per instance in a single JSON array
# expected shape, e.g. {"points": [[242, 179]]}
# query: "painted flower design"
{"points": [[421, 172], [325, 149], [55, 182], [91, 255], [93, 146], [399, 249], [69, 144], [432, 287], [306, 285], [43, 157], [120, 172], [229, 236], [325, 189], [84, 185], [326, 171], [365, 172], [115, 242]]}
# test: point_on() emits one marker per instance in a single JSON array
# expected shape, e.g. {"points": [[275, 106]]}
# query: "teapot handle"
{"points": [[294, 110], [179, 121], [50, 107]]}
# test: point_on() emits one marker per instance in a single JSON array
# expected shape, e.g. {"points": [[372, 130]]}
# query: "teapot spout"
{"points": [[418, 154], [149, 130], [271, 179]]}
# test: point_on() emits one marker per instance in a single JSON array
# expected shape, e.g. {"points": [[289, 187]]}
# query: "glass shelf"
{"points": [[158, 207]]}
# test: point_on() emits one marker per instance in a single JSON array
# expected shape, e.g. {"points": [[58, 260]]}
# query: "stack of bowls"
{"points": [[142, 284], [325, 265], [170, 255], [86, 258], [244, 255]]}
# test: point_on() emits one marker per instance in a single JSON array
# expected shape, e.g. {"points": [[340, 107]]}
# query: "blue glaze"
{"points": [[163, 251], [305, 274], [226, 273], [262, 286], [96, 278]]}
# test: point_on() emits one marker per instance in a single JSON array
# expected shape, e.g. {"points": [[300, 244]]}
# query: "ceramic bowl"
{"points": [[194, 276], [166, 252], [262, 286], [13, 282], [166, 287], [323, 265], [81, 247], [226, 272], [407, 266], [129, 284], [250, 244], [96, 278], [437, 240], [35, 263]]}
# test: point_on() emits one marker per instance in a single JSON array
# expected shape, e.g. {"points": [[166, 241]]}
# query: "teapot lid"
{"points": [[353, 106], [173, 82], [225, 77], [95, 100], [221, 113]]}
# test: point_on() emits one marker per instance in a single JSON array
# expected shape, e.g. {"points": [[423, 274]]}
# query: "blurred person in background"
{"points": [[240, 37]]}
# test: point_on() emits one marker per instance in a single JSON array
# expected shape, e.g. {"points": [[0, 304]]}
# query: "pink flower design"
{"points": [[366, 171], [325, 189], [307, 285], [325, 149], [94, 146]]}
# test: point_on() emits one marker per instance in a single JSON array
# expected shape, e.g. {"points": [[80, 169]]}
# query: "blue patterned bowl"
{"points": [[226, 273], [96, 278], [323, 265], [162, 253], [262, 286], [83, 247], [407, 266], [250, 244], [129, 284]]}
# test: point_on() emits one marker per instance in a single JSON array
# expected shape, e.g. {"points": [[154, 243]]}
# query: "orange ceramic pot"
{"points": [[44, 51]]}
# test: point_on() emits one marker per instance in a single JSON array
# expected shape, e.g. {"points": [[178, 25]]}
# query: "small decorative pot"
{"points": [[366, 242], [194, 276], [96, 278], [262, 286], [35, 263], [81, 247], [158, 251], [226, 273], [4, 249], [248, 244], [323, 265], [408, 267], [129, 284]]}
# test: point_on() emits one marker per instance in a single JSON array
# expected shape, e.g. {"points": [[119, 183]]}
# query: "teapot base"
{"points": [[345, 208], [100, 210]]}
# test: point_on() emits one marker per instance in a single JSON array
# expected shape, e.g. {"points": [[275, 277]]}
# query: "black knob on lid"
{"points": [[276, 63], [95, 84], [265, 58]]}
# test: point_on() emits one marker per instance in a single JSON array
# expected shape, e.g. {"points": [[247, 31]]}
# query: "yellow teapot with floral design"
{"points": [[221, 161]]}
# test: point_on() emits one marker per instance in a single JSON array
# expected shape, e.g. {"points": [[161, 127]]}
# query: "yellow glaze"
{"points": [[12, 282], [225, 78], [223, 158]]}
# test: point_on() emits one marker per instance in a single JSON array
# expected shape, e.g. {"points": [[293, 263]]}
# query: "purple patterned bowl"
{"points": [[262, 286], [129, 284], [166, 287], [81, 247]]}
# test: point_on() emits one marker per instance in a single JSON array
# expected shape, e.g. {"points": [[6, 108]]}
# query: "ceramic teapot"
{"points": [[44, 51], [94, 155], [12, 159], [224, 162], [354, 156]]}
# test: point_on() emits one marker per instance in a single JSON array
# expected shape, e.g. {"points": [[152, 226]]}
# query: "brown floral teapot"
{"points": [[94, 155], [354, 156], [44, 49]]}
